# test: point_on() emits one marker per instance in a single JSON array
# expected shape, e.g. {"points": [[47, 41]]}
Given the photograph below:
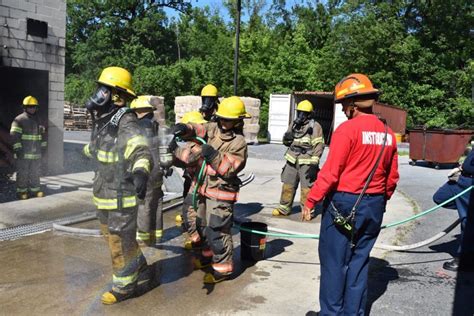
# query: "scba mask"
{"points": [[101, 100], [208, 105], [301, 117]]}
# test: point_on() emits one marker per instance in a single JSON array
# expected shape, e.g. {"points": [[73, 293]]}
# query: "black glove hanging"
{"points": [[179, 130], [140, 180], [288, 138], [208, 152]]}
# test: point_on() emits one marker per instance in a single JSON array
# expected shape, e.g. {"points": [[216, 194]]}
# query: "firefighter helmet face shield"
{"points": [[301, 117], [101, 100]]}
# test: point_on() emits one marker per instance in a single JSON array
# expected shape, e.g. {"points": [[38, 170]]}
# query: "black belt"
{"points": [[468, 175]]}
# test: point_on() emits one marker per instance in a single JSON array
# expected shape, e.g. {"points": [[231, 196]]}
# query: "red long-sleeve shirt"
{"points": [[355, 146]]}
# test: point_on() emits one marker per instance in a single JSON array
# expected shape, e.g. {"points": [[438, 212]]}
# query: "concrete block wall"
{"points": [[25, 51], [159, 113], [184, 104]]}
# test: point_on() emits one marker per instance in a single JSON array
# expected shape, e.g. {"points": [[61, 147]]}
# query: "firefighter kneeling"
{"points": [[225, 154]]}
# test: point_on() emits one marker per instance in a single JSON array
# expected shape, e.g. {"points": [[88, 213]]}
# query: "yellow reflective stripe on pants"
{"points": [[111, 204], [107, 156], [133, 143], [16, 129], [86, 150], [31, 156], [17, 146], [44, 144], [125, 280], [35, 189], [30, 137], [142, 163], [290, 158], [143, 236], [158, 233]]}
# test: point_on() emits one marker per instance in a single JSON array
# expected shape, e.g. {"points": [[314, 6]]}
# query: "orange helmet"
{"points": [[354, 85]]}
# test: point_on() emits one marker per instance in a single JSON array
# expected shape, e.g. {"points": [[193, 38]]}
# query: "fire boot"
{"points": [[286, 201], [204, 261], [193, 242], [221, 272], [112, 297], [178, 220]]}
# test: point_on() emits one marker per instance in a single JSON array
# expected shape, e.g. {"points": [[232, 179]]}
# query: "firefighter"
{"points": [[29, 141], [210, 101], [306, 145], [347, 236], [124, 163], [150, 215], [225, 154], [189, 158]]}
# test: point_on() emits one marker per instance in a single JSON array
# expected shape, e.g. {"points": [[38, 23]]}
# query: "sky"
{"points": [[217, 4]]}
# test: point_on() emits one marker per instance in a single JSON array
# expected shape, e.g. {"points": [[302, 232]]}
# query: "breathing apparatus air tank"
{"points": [[165, 149]]}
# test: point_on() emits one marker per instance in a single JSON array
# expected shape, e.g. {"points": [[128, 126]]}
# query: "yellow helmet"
{"points": [[209, 91], [305, 106], [117, 77], [142, 102], [232, 108], [193, 117], [30, 101]]}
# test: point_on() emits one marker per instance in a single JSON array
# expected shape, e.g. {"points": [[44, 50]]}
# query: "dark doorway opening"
{"points": [[15, 85]]}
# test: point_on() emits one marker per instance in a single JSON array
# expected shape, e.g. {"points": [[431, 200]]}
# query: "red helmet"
{"points": [[352, 86]]}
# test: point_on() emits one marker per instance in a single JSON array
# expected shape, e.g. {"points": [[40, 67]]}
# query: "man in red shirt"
{"points": [[345, 240]]}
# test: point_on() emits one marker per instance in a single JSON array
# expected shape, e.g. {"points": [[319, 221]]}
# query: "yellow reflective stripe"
{"points": [[31, 156], [87, 151], [317, 140], [143, 236], [16, 129], [158, 233], [111, 204], [290, 158], [17, 146], [44, 144], [30, 137], [142, 163], [35, 189], [126, 280], [107, 156], [133, 143], [351, 88], [308, 161]]}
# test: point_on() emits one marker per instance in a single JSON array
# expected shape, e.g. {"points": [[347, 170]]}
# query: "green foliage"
{"points": [[417, 52]]}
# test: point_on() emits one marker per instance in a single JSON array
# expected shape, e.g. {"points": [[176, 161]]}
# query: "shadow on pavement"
{"points": [[244, 210], [380, 274], [449, 247]]}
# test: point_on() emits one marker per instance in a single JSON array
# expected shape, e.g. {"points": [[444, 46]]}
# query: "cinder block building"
{"points": [[32, 60]]}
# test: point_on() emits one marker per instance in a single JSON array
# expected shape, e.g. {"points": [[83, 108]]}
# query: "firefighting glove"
{"points": [[179, 130], [139, 181], [312, 173], [453, 176], [208, 152], [288, 138]]}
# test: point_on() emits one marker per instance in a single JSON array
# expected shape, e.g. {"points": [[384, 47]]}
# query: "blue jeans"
{"points": [[344, 270], [461, 204]]}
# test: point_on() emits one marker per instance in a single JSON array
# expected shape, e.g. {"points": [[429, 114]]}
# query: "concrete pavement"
{"points": [[74, 271]]}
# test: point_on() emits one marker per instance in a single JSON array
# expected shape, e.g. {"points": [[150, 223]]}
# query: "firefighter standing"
{"points": [[225, 154], [210, 101], [189, 158], [150, 215], [355, 147], [306, 145], [124, 163], [29, 142]]}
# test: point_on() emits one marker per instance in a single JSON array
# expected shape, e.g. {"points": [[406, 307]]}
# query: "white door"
{"points": [[278, 116]]}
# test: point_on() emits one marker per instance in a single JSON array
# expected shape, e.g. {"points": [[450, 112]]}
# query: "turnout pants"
{"points": [[119, 229], [150, 215], [291, 176], [461, 204], [344, 270], [216, 228], [28, 175]]}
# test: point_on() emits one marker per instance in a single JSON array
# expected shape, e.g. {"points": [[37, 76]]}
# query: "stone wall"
{"points": [[23, 50], [184, 104]]}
